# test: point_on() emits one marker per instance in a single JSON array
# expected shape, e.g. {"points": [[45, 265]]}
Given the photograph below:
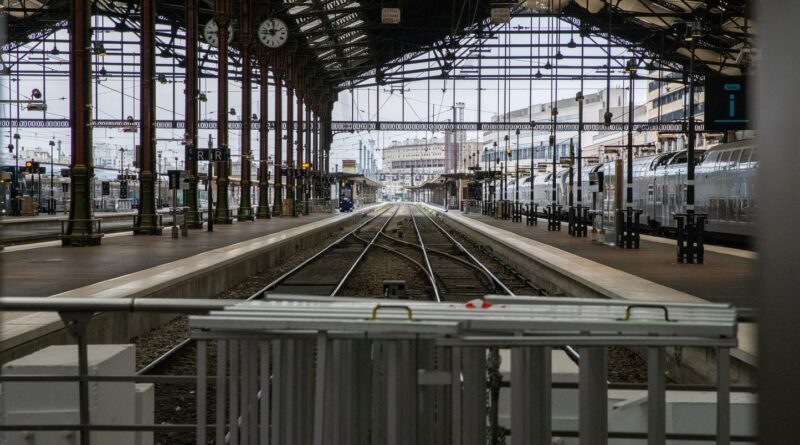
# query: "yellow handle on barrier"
{"points": [[384, 306]]}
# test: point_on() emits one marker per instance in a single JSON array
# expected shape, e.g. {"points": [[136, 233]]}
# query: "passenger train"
{"points": [[725, 188]]}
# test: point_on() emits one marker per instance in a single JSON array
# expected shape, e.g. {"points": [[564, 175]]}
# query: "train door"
{"points": [[612, 199]]}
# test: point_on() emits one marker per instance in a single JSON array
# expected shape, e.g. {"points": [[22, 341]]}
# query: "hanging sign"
{"points": [[726, 103], [501, 15], [390, 16]]}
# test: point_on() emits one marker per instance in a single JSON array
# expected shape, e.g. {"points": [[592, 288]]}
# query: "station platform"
{"points": [[727, 276], [650, 274], [128, 266]]}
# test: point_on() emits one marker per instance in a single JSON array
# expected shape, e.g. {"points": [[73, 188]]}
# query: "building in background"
{"points": [[414, 161]]}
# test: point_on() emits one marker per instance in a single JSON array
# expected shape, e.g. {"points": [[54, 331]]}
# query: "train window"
{"points": [[744, 213], [734, 159], [723, 209], [733, 214], [713, 209], [723, 161], [745, 158]]}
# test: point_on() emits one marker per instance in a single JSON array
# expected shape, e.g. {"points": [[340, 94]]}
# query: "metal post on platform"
{"points": [[194, 216], [517, 215], [80, 228], [222, 16], [277, 199], [290, 184], [245, 212], [263, 211], [581, 229], [147, 221], [692, 250]]}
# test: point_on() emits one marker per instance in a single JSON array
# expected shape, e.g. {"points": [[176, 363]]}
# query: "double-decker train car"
{"points": [[725, 188]]}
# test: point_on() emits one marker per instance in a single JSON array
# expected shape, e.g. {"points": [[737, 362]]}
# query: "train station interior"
{"points": [[452, 222]]}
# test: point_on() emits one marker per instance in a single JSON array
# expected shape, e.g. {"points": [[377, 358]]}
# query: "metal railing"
{"points": [[325, 371]]}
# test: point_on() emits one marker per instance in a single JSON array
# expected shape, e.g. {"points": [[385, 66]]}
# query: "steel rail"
{"points": [[470, 256], [163, 358], [295, 269], [569, 350], [363, 253], [427, 260], [444, 254]]}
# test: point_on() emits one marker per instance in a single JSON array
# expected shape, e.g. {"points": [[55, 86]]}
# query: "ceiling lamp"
{"points": [[571, 43]]}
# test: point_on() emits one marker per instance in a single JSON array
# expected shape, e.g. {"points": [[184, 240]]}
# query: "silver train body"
{"points": [[725, 188]]}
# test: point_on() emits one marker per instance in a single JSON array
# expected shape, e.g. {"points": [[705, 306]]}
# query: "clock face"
{"points": [[211, 33], [273, 33]]}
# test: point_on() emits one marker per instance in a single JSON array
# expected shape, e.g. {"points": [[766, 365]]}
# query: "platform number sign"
{"points": [[726, 103]]}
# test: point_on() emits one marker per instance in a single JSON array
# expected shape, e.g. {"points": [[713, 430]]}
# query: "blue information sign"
{"points": [[726, 103]]}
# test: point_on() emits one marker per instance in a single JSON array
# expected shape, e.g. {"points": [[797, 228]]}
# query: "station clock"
{"points": [[273, 32], [211, 33]]}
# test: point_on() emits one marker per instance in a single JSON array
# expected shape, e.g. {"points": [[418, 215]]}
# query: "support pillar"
{"points": [[194, 218], [290, 146], [147, 222], [81, 229], [277, 203], [317, 165], [223, 19], [245, 212], [307, 179], [300, 184], [263, 211]]}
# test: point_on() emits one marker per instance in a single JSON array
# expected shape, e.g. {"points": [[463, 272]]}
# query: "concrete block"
{"points": [[57, 402], [145, 411]]}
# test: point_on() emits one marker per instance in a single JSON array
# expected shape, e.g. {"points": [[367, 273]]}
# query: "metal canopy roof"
{"points": [[345, 41]]}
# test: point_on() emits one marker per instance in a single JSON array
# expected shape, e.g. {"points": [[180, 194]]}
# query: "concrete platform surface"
{"points": [[52, 270], [727, 276]]}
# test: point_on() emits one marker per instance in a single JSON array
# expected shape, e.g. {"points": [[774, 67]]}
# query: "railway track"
{"points": [[404, 237]]}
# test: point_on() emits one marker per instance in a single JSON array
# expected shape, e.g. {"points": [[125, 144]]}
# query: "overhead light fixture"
{"points": [[548, 66], [254, 117], [559, 56], [162, 79], [100, 50], [202, 97], [55, 50], [103, 71], [232, 112], [631, 66], [571, 43], [694, 31], [538, 74], [36, 94]]}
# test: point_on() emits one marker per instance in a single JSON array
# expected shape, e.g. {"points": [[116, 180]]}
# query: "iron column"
{"points": [[80, 230], [245, 212], [194, 219], [222, 18], [263, 211], [290, 144], [147, 222], [277, 201]]}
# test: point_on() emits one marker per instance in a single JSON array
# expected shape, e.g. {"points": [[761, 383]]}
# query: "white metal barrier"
{"points": [[356, 372]]}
